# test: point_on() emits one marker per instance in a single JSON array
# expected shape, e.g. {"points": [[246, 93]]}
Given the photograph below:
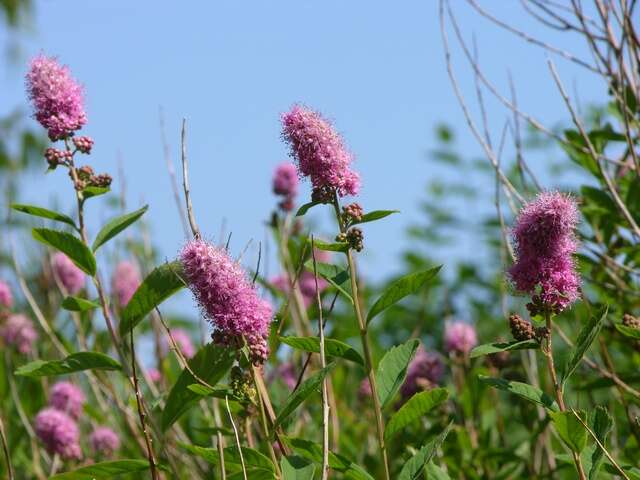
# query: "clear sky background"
{"points": [[231, 67]]}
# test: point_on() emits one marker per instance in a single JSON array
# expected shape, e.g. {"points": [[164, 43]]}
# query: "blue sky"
{"points": [[231, 67]]}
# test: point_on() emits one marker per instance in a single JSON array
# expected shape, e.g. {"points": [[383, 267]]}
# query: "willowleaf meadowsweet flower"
{"points": [[125, 282], [545, 243], [227, 297], [319, 151], [67, 397], [425, 370], [59, 433], [104, 441], [56, 96], [459, 337], [6, 297], [285, 184], [71, 277], [18, 331]]}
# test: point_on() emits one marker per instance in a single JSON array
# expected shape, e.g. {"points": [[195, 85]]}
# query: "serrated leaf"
{"points": [[210, 364], [586, 337], [304, 391], [294, 467], [75, 362], [602, 423], [338, 277], [628, 331], [43, 213], [115, 226], [375, 215], [392, 369], [412, 470], [77, 304], [332, 347], [570, 429], [490, 348], [104, 470], [159, 285], [417, 406], [524, 390], [401, 288], [70, 245], [305, 208]]}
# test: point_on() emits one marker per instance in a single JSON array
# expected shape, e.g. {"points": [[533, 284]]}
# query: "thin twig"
{"points": [[185, 181], [5, 449], [235, 431]]}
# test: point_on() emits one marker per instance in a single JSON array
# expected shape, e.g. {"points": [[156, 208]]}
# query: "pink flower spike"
{"points": [[67, 397], [125, 282], [104, 441], [319, 151], [59, 433], [18, 331], [56, 96], [71, 277], [459, 337], [6, 297], [424, 372]]}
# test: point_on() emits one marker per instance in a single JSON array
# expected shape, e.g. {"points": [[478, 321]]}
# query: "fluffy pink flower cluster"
{"points": [[104, 441], [6, 297], [545, 243], [226, 296], [18, 331], [56, 96], [71, 277], [126, 280], [319, 151], [68, 398], [424, 372], [285, 184], [59, 433], [182, 339], [459, 337]]}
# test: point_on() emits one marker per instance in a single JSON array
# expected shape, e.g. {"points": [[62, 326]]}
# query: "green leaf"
{"points": [[490, 348], [204, 391], [330, 247], [628, 331], [252, 458], [115, 226], [414, 408], [434, 472], [297, 468], [524, 390], [159, 285], [332, 347], [77, 304], [392, 369], [75, 362], [44, 213], [401, 288], [412, 470], [570, 429], [210, 364], [375, 215], [306, 207], [338, 277], [70, 245], [90, 192], [104, 470], [306, 389], [586, 337], [602, 423]]}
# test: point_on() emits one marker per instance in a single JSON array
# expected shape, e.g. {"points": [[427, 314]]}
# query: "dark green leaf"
{"points": [[414, 408], [75, 362], [401, 288], [70, 245], [375, 215], [392, 369], [77, 304], [524, 390], [338, 277], [90, 192], [332, 347], [628, 331], [489, 348], [330, 247], [252, 458], [204, 391], [115, 226], [602, 423], [570, 429], [210, 364], [306, 389], [159, 285], [44, 213], [104, 470], [305, 208], [586, 337], [297, 468], [412, 470]]}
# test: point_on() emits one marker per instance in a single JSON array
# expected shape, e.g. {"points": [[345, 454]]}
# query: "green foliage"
{"points": [[115, 226], [104, 470], [75, 362], [44, 213], [417, 406], [392, 370], [332, 347], [70, 245]]}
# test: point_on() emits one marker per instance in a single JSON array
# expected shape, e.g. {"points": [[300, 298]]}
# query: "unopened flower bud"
{"points": [[631, 321], [353, 212], [521, 329], [83, 144]]}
